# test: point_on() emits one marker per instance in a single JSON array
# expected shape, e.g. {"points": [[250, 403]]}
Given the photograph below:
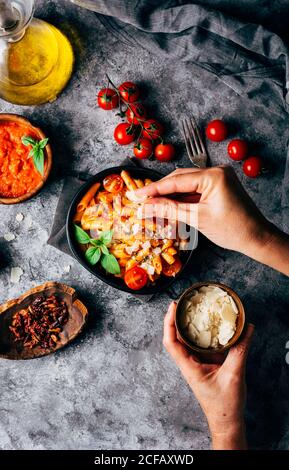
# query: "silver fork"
{"points": [[194, 144]]}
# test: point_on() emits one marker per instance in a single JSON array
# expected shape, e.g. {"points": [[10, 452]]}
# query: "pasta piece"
{"points": [[92, 202], [78, 216], [123, 261], [118, 250], [105, 196], [167, 244], [142, 254], [130, 264], [155, 242], [139, 183], [168, 258], [172, 251], [147, 181], [157, 264], [83, 204], [129, 182]]}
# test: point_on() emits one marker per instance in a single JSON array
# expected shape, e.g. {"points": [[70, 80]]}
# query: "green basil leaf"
{"points": [[38, 160], [104, 250], [80, 235], [96, 242], [106, 237], [43, 143], [26, 140], [110, 264], [31, 153], [92, 255]]}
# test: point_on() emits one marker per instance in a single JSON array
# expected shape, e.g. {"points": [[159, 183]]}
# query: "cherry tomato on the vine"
{"points": [[107, 99], [136, 278], [124, 133], [152, 129], [217, 130], [143, 149], [164, 152], [129, 92], [113, 183], [237, 149], [136, 113], [171, 269], [252, 167]]}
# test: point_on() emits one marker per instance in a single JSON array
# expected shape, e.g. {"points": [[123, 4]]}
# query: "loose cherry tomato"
{"points": [[113, 183], [252, 167], [165, 152], [129, 92], [152, 129], [217, 130], [143, 149], [171, 269], [136, 113], [237, 149], [107, 99], [124, 133], [136, 278]]}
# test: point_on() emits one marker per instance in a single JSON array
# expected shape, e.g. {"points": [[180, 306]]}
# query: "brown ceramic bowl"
{"points": [[9, 349], [48, 158], [240, 319]]}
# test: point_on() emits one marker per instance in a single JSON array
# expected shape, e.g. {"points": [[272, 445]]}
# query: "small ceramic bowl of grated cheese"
{"points": [[210, 317]]}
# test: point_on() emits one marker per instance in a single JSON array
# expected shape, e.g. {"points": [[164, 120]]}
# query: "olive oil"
{"points": [[36, 68]]}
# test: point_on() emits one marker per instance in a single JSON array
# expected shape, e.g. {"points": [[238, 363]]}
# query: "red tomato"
{"points": [[107, 99], [252, 167], [171, 269], [113, 183], [143, 149], [136, 113], [129, 92], [237, 149], [124, 133], [152, 129], [165, 152], [136, 278], [217, 130]]}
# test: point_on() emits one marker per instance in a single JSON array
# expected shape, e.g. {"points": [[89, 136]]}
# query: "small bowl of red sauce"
{"points": [[19, 177]]}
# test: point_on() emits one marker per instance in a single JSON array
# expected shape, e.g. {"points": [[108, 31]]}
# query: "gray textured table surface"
{"points": [[115, 387]]}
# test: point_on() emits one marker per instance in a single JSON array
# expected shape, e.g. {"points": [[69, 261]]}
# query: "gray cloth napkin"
{"points": [[245, 56]]}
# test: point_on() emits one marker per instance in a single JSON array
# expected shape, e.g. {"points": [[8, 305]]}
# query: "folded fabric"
{"points": [[248, 58]]}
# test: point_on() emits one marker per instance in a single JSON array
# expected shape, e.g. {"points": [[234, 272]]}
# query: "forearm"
{"points": [[270, 247], [230, 438]]}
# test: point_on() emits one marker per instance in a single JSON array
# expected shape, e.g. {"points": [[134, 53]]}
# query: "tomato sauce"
{"points": [[18, 176]]}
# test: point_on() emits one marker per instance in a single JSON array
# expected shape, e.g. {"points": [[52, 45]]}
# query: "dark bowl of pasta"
{"points": [[108, 237]]}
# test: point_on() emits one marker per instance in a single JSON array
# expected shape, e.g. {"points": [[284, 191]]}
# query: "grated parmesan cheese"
{"points": [[16, 274], [209, 317], [19, 217], [9, 236]]}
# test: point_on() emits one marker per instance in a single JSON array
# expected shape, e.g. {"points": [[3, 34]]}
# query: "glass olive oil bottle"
{"points": [[36, 59]]}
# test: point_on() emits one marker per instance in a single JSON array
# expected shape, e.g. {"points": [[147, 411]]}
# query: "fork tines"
{"points": [[194, 143]]}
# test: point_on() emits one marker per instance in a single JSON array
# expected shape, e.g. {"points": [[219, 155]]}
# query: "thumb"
{"points": [[236, 359]]}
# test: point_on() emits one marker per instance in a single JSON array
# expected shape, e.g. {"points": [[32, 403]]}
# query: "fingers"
{"points": [[175, 183], [236, 359], [189, 366], [181, 171], [171, 210]]}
